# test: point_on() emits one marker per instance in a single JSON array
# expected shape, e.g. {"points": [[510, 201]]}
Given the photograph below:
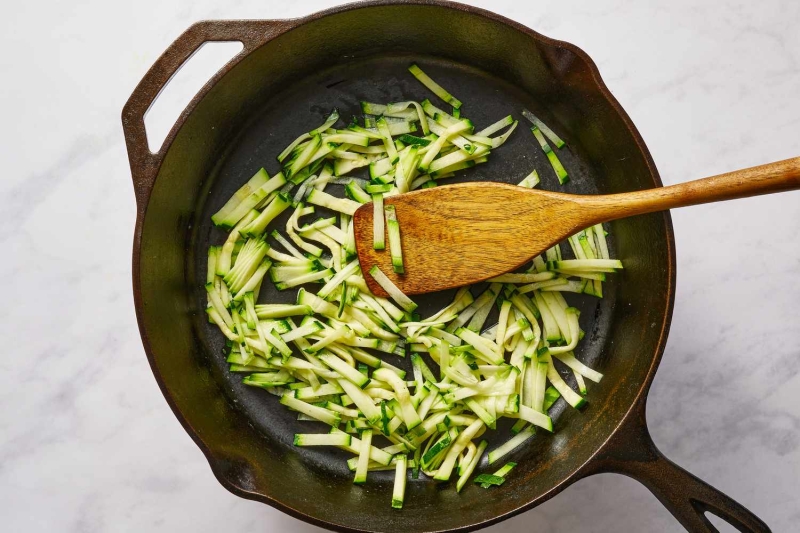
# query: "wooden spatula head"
{"points": [[460, 234]]}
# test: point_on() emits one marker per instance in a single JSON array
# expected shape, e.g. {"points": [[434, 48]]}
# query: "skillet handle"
{"points": [[144, 163], [633, 453]]}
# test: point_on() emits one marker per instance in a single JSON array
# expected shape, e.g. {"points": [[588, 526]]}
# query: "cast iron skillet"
{"points": [[288, 76]]}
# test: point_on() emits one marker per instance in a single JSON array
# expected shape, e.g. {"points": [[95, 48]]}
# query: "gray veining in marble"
{"points": [[87, 444]]}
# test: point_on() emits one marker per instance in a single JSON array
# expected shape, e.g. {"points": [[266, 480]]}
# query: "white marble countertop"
{"points": [[87, 443]]}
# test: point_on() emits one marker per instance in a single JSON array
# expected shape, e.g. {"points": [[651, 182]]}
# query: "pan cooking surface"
{"points": [[303, 106]]}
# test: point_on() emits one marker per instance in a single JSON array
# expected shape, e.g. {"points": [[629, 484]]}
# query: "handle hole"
{"points": [[720, 523], [183, 86]]}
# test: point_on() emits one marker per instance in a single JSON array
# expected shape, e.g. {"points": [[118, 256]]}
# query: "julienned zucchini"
{"points": [[558, 168], [247, 198], [437, 89], [325, 355], [496, 479], [395, 244]]}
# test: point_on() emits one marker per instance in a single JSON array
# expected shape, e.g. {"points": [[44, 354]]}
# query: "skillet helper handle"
{"points": [[633, 453], [144, 163], [780, 176]]}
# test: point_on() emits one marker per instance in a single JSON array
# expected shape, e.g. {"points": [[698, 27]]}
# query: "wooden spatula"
{"points": [[461, 234]]}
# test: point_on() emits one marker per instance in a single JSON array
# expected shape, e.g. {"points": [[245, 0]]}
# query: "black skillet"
{"points": [[288, 76]]}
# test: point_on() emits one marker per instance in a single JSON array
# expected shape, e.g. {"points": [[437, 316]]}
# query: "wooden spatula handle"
{"points": [[764, 179]]}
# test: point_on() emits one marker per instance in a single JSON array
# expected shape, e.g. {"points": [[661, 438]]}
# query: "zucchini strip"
{"points": [[550, 134], [435, 88], [323, 199], [363, 458], [510, 445], [395, 243], [399, 492], [396, 294], [378, 228], [558, 168], [470, 468]]}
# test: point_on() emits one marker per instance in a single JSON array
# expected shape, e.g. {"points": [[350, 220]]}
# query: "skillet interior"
{"points": [[285, 88]]}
